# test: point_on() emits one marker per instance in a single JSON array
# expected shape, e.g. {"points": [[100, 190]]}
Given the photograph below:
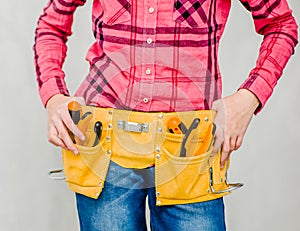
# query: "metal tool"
{"points": [[83, 126], [194, 125], [57, 174], [231, 186]]}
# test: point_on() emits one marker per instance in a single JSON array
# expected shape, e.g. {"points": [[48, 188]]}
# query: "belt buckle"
{"points": [[133, 127]]}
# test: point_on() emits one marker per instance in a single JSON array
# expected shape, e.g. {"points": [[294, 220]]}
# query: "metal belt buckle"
{"points": [[133, 127], [232, 186]]}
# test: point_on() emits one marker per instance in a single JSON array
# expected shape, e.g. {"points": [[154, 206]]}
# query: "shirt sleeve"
{"points": [[53, 29], [273, 19]]}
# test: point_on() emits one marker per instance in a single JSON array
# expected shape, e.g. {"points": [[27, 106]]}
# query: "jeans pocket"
{"points": [[116, 11], [191, 13]]}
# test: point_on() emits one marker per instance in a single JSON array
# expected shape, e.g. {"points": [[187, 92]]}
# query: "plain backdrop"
{"points": [[268, 162]]}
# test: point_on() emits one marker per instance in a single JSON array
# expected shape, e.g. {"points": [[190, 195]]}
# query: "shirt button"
{"points": [[151, 10], [149, 40], [148, 71], [146, 100]]}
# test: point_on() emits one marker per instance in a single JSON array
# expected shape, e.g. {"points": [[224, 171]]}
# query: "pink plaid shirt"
{"points": [[162, 55]]}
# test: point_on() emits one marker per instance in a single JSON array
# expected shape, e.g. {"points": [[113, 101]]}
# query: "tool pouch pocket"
{"points": [[86, 172], [182, 180]]}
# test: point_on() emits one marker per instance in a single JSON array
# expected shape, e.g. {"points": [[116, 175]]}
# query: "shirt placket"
{"points": [[148, 50]]}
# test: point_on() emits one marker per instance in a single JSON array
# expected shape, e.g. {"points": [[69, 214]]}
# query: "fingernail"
{"points": [[222, 166], [82, 138], [75, 152]]}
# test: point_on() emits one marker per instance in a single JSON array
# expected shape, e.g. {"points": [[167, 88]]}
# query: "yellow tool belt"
{"points": [[139, 140]]}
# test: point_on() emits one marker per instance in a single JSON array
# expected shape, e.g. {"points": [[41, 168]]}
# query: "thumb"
{"points": [[219, 121], [219, 138]]}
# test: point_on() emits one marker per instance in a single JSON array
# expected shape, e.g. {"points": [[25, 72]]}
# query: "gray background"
{"points": [[267, 162]]}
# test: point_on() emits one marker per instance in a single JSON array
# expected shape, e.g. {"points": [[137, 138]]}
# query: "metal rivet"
{"points": [[109, 152], [158, 149], [110, 112], [158, 194], [157, 156], [108, 138], [206, 119], [148, 71], [110, 126], [159, 202], [208, 191], [160, 116], [159, 130]]}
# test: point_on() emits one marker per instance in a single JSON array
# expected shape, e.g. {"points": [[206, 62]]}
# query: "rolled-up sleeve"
{"points": [[53, 29], [273, 19]]}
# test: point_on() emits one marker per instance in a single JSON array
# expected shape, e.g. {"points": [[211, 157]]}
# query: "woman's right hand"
{"points": [[60, 122]]}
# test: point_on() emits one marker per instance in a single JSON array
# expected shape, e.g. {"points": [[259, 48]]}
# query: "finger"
{"points": [[219, 138], [220, 124], [239, 142], [54, 139], [65, 137], [218, 142], [224, 158], [225, 151], [233, 141], [67, 120]]}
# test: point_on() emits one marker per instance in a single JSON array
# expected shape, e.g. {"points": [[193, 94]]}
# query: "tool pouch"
{"points": [[195, 177], [139, 140]]}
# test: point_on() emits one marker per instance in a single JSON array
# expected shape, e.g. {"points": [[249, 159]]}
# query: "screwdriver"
{"points": [[208, 140], [75, 111], [176, 126], [98, 130]]}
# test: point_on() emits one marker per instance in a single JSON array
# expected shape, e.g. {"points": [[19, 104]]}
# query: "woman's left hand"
{"points": [[234, 114]]}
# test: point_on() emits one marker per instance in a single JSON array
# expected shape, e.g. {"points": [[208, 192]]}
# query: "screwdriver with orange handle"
{"points": [[75, 111], [208, 141]]}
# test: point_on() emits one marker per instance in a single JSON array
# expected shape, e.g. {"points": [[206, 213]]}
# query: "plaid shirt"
{"points": [[159, 55]]}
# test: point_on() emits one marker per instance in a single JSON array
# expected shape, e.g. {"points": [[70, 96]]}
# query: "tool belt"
{"points": [[178, 144]]}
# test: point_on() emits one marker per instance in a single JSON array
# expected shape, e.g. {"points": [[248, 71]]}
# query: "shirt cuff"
{"points": [[260, 88], [52, 87]]}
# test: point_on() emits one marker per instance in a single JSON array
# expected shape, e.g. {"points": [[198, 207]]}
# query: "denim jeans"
{"points": [[121, 206]]}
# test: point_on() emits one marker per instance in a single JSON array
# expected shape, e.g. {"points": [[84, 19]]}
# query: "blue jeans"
{"points": [[121, 206]]}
